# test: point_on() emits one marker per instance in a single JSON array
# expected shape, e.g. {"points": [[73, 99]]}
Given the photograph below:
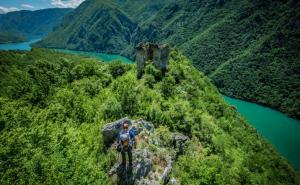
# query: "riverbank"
{"points": [[19, 46], [259, 102], [279, 129], [101, 56]]}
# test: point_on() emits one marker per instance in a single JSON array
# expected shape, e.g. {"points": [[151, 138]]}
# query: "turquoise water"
{"points": [[280, 130], [19, 46], [101, 56]]}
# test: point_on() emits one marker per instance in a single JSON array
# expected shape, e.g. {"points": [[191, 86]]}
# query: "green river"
{"points": [[280, 130]]}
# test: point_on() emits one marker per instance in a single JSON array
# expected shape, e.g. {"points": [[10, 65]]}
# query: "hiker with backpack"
{"points": [[126, 142]]}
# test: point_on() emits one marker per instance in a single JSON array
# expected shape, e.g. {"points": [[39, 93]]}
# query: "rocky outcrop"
{"points": [[155, 53], [153, 157], [135, 174], [111, 130], [166, 174]]}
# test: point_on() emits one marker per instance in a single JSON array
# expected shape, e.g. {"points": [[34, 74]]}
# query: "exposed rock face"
{"points": [[153, 157], [143, 164], [149, 126], [166, 174], [158, 54], [126, 175], [140, 125], [160, 57]]}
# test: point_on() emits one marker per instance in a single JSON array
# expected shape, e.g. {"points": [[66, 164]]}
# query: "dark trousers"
{"points": [[127, 150]]}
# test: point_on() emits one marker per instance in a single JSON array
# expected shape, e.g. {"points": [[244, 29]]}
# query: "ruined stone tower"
{"points": [[155, 53]]}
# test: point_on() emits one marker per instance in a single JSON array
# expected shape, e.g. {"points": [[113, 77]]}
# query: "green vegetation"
{"points": [[11, 37], [32, 23], [105, 26], [53, 107], [249, 48]]}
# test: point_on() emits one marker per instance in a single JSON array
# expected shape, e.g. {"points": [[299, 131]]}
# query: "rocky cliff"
{"points": [[156, 150]]}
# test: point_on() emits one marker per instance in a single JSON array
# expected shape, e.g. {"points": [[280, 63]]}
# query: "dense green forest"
{"points": [[32, 23], [53, 107], [105, 26], [250, 48], [11, 37]]}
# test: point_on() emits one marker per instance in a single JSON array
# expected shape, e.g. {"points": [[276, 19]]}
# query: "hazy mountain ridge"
{"points": [[99, 26], [32, 23]]}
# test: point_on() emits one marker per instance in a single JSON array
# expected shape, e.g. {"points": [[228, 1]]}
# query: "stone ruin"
{"points": [[156, 53]]}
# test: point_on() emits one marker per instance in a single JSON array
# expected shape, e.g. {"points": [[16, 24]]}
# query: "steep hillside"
{"points": [[104, 26], [99, 26], [249, 48], [53, 107], [32, 23], [11, 37], [140, 11]]}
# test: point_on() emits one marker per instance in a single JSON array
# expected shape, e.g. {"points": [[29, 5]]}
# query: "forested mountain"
{"points": [[249, 48], [104, 26], [32, 23], [11, 37], [53, 107], [93, 26]]}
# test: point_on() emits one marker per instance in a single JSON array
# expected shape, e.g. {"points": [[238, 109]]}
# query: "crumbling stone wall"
{"points": [[155, 53], [140, 60]]}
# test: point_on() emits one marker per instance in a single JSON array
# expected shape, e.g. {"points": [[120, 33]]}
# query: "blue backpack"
{"points": [[126, 138]]}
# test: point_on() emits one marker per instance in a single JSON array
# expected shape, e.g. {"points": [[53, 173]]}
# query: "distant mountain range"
{"points": [[250, 49], [31, 23]]}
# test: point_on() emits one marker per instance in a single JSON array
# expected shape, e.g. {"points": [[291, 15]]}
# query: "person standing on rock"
{"points": [[126, 143]]}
